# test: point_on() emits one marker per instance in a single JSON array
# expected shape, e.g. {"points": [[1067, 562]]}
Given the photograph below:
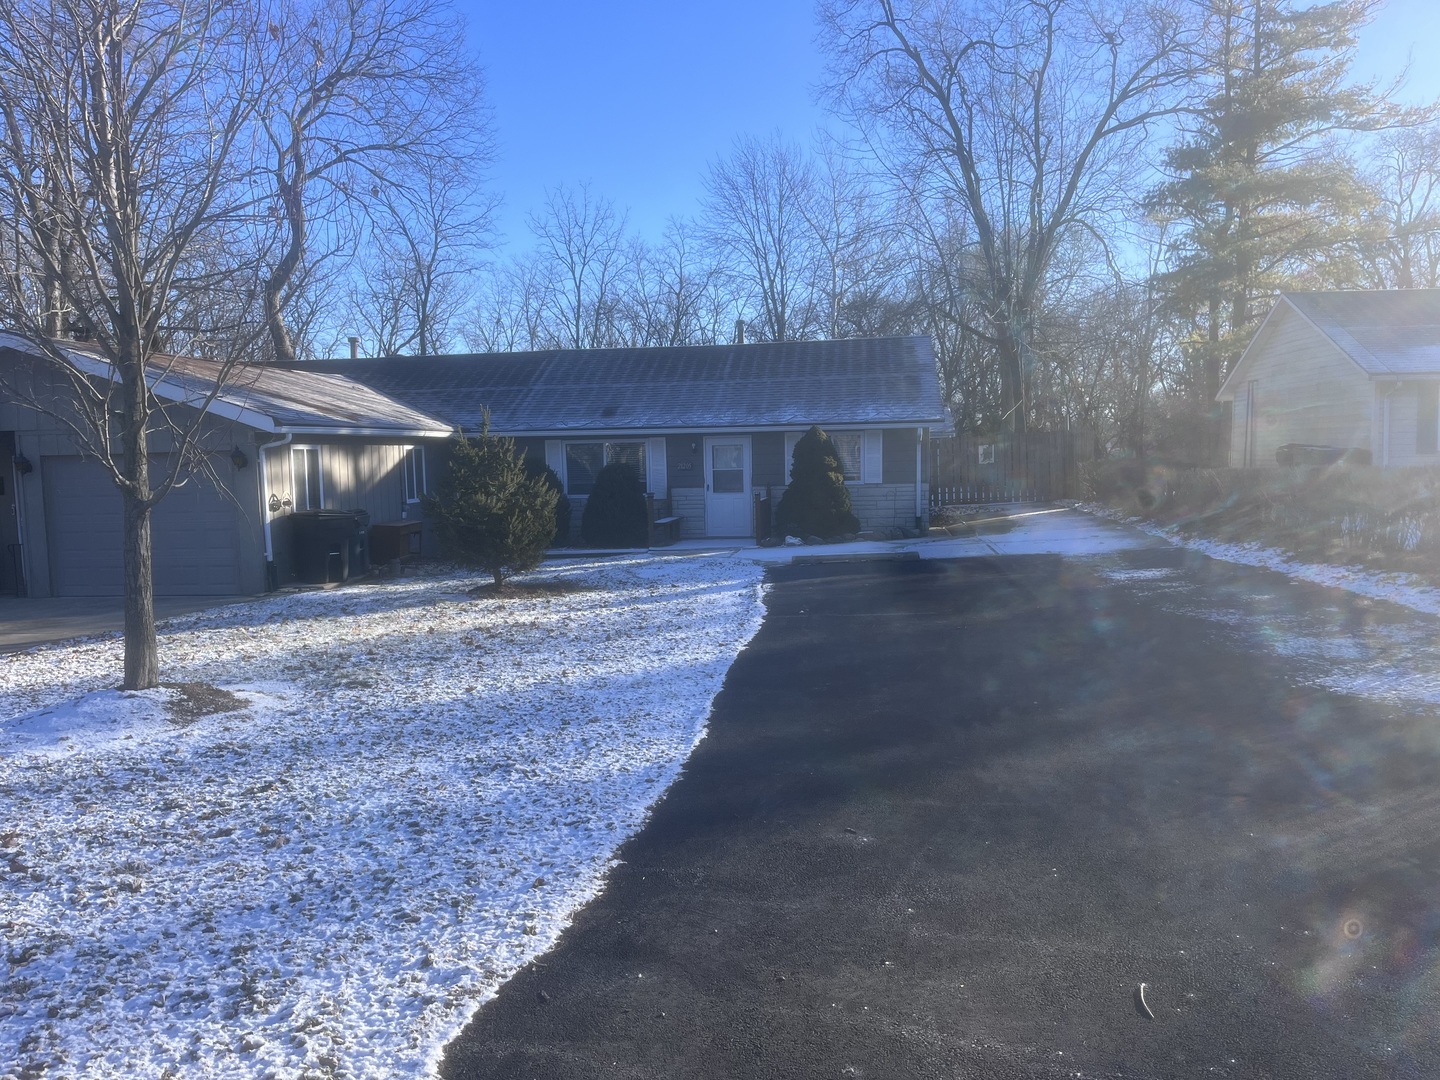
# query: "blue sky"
{"points": [[637, 98]]}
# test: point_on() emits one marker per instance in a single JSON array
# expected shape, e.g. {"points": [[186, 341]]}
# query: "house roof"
{"points": [[1394, 332], [762, 385], [266, 397]]}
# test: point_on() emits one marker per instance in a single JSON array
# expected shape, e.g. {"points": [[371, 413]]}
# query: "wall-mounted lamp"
{"points": [[23, 466], [694, 446], [237, 456], [274, 503]]}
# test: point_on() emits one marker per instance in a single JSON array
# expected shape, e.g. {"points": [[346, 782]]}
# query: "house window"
{"points": [[1427, 418], [413, 469], [584, 460], [849, 448], [305, 477]]}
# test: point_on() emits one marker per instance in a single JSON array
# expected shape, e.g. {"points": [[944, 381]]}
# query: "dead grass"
{"points": [[1382, 519], [197, 700], [526, 590]]}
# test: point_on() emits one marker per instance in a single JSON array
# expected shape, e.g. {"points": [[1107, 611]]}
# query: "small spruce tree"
{"points": [[817, 502], [489, 513], [615, 513]]}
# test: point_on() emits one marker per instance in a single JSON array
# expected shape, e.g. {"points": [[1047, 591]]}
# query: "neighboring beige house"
{"points": [[1350, 370]]}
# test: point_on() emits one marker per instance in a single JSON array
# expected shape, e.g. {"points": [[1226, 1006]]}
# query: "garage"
{"points": [[195, 534]]}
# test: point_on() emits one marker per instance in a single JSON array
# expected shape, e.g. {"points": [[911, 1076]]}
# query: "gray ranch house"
{"points": [[277, 441], [1356, 370], [709, 427]]}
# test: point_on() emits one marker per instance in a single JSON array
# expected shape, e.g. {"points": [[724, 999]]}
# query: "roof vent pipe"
{"points": [[354, 340], [739, 331]]}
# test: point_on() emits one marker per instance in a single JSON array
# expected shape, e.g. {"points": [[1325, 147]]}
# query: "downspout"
{"points": [[1385, 422], [265, 515], [920, 508]]}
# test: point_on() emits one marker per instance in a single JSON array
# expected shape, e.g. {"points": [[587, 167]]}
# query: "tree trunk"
{"points": [[142, 651], [1012, 385]]}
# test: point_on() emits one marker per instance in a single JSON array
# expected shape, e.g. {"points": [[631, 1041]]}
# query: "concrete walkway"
{"points": [[1011, 529], [1008, 529], [33, 621]]}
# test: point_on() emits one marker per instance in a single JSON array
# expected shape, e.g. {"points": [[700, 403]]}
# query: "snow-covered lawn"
{"points": [[422, 790]]}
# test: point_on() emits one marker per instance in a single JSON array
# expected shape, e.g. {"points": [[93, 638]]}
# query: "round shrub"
{"points": [[615, 513], [539, 470], [817, 502]]}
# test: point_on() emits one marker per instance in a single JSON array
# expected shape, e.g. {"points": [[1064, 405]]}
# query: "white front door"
{"points": [[729, 507]]}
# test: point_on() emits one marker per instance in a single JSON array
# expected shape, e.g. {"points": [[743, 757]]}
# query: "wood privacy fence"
{"points": [[1035, 467]]}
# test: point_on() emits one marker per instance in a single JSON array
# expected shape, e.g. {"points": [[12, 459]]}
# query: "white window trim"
{"points": [[420, 476], [319, 475]]}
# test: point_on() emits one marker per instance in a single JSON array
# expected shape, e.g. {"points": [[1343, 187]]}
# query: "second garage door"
{"points": [[195, 532]]}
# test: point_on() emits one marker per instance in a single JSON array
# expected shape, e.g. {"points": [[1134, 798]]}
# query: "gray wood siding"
{"points": [[1306, 391], [898, 456], [767, 459], [685, 468]]}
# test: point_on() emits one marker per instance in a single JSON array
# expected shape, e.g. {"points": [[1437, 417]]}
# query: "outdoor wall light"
{"points": [[23, 466], [274, 503], [238, 457], [694, 446]]}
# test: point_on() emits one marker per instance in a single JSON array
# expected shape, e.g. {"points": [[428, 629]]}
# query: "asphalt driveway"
{"points": [[950, 814]]}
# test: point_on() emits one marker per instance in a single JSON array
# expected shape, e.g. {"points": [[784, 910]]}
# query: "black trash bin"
{"points": [[328, 545]]}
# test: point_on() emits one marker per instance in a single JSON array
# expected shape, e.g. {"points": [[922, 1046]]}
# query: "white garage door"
{"points": [[194, 535]]}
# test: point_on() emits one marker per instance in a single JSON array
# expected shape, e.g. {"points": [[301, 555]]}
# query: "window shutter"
{"points": [[872, 467], [655, 466], [555, 457]]}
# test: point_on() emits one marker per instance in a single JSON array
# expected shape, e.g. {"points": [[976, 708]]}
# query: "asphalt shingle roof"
{"points": [[769, 384], [266, 397], [1393, 332]]}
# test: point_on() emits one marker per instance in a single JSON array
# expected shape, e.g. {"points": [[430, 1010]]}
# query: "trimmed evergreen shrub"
{"points": [[817, 502], [489, 513], [535, 468], [615, 513]]}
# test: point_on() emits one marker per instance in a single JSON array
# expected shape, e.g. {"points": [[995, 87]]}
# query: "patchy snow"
{"points": [[421, 792], [1409, 590]]}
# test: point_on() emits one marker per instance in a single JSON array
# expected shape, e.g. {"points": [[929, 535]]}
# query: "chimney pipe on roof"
{"points": [[739, 331], [354, 340]]}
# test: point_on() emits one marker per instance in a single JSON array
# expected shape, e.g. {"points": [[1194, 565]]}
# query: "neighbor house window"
{"points": [[584, 460], [413, 468], [1427, 419], [305, 477], [849, 448]]}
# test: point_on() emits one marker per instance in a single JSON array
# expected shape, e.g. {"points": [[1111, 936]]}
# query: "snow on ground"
{"points": [[1406, 589], [422, 790]]}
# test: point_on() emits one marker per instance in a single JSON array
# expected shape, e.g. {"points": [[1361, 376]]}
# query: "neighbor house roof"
{"points": [[691, 388], [263, 396], [1388, 333]]}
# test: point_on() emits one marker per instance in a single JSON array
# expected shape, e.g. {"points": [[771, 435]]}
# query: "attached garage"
{"points": [[195, 534]]}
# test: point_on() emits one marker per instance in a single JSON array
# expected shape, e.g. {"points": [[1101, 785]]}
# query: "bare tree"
{"points": [[366, 93], [125, 173], [508, 313], [581, 239], [1402, 248], [756, 205], [1029, 113], [425, 242]]}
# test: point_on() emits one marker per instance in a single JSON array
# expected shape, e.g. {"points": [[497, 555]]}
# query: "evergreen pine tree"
{"points": [[816, 503], [489, 513], [1259, 190], [615, 513]]}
